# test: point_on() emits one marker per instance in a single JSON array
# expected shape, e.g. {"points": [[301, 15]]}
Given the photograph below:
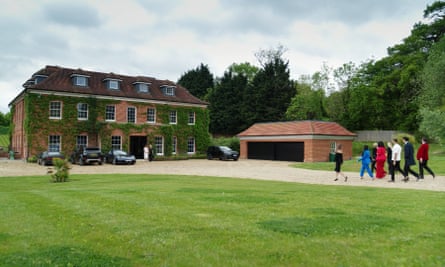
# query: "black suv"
{"points": [[222, 153], [87, 155]]}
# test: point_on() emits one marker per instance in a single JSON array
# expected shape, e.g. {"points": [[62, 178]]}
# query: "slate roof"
{"points": [[59, 79], [296, 128]]}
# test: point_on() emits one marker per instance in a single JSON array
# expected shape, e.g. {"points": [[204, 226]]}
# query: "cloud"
{"points": [[75, 13], [164, 39]]}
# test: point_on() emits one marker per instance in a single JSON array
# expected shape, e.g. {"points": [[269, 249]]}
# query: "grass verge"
{"points": [[167, 220]]}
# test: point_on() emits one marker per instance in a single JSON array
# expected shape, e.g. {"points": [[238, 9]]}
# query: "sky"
{"points": [[165, 39]]}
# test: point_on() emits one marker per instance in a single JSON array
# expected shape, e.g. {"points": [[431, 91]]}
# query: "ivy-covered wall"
{"points": [[38, 126]]}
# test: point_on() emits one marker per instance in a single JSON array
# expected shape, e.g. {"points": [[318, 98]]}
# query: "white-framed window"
{"points": [[110, 113], [159, 145], [80, 80], [173, 116], [112, 84], [191, 118], [116, 142], [55, 110], [39, 78], [82, 111], [131, 114], [142, 87], [54, 143], [174, 144], [168, 90], [191, 145], [151, 115], [81, 141]]}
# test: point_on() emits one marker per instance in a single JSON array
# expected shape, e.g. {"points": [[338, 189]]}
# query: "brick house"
{"points": [[302, 141], [61, 108]]}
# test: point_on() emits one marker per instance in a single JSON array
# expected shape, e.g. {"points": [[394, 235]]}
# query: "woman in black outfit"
{"points": [[338, 162]]}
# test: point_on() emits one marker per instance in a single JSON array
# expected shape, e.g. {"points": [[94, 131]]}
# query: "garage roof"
{"points": [[296, 128]]}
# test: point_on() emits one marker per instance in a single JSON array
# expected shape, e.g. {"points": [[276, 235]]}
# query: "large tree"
{"points": [[307, 104], [198, 81], [226, 100], [268, 96], [432, 97]]}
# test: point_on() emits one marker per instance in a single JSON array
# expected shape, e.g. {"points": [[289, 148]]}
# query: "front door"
{"points": [[137, 144]]}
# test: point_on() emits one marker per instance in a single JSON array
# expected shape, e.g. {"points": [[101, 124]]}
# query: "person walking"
{"points": [[373, 157], [409, 159], [145, 152], [395, 158], [389, 157], [151, 154], [365, 159], [422, 157], [380, 160], [338, 162]]}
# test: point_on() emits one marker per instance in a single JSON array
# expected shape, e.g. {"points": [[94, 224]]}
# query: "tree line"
{"points": [[404, 90]]}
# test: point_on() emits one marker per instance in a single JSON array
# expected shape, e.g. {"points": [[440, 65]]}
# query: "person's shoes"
{"points": [[361, 178], [346, 178], [434, 176], [336, 179], [406, 179]]}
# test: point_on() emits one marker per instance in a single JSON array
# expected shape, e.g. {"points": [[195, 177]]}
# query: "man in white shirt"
{"points": [[395, 158]]}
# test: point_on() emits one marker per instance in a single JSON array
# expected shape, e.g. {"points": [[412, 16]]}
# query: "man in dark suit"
{"points": [[409, 159]]}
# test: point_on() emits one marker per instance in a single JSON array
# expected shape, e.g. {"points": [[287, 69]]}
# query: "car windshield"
{"points": [[120, 153], [225, 148], [53, 154]]}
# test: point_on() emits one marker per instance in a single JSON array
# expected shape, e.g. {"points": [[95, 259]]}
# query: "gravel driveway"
{"points": [[251, 169]]}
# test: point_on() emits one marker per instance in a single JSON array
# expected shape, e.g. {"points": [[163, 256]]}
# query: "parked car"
{"points": [[116, 156], [86, 155], [222, 153], [47, 157]]}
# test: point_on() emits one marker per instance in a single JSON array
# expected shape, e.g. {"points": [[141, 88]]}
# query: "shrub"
{"points": [[32, 159], [61, 173]]}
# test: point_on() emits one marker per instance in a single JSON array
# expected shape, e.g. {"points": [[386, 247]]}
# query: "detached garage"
{"points": [[301, 141]]}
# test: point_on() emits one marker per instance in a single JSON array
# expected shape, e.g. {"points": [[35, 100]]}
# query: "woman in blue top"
{"points": [[366, 159]]}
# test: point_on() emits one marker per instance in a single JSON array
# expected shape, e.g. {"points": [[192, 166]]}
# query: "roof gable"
{"points": [[296, 128]]}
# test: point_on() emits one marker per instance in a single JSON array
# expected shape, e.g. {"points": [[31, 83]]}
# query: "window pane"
{"points": [[191, 145], [151, 115], [82, 111], [159, 145], [82, 141], [55, 109], [54, 143], [131, 114], [174, 145], [109, 113], [173, 117], [115, 142], [191, 117]]}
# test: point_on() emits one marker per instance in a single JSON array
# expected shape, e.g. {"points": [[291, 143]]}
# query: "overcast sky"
{"points": [[165, 39]]}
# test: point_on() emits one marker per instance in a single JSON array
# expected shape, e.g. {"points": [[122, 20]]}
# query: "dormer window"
{"points": [[142, 87], [39, 78], [168, 90], [113, 84], [80, 80]]}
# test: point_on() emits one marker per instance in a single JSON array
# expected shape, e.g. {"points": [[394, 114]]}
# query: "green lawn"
{"points": [[167, 220]]}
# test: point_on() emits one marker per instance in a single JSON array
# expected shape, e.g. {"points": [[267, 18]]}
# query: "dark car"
{"points": [[116, 156], [46, 157], [222, 153], [86, 155]]}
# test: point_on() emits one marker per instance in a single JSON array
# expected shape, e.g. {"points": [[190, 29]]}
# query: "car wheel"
{"points": [[209, 156]]}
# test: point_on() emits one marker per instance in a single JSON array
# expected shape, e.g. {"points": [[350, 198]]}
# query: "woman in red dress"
{"points": [[380, 160]]}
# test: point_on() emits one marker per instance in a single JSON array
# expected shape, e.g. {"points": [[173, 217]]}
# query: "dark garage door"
{"points": [[285, 151]]}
